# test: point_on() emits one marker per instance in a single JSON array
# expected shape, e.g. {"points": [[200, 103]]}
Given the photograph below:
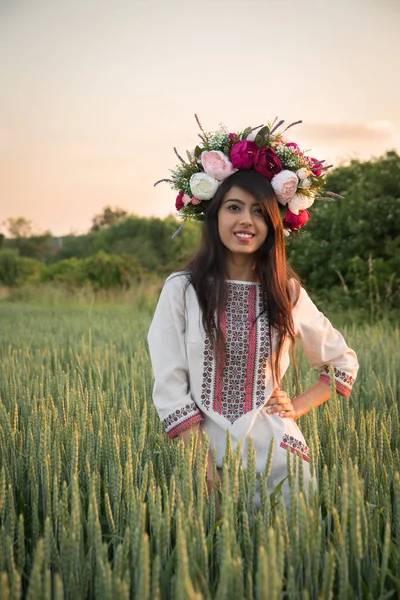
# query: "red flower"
{"points": [[267, 162], [294, 148], [316, 167], [179, 204], [232, 137], [243, 154], [296, 221]]}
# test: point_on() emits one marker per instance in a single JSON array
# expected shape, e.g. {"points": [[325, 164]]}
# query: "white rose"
{"points": [[306, 184], [302, 173], [203, 186], [285, 185], [300, 202]]}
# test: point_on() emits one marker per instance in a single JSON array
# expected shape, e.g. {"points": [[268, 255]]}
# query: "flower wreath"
{"points": [[296, 178]]}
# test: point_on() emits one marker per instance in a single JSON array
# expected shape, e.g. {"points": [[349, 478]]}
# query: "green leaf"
{"points": [[277, 490], [210, 541], [245, 133], [262, 135]]}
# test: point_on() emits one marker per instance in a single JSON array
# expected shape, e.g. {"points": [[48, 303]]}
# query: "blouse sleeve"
{"points": [[166, 338], [324, 346]]}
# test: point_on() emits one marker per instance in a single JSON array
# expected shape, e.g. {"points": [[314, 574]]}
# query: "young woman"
{"points": [[223, 329]]}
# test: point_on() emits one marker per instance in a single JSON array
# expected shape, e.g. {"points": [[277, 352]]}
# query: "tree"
{"points": [[108, 217], [29, 243], [351, 247], [19, 227]]}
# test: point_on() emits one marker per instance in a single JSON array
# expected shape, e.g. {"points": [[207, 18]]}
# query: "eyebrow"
{"points": [[240, 201]]}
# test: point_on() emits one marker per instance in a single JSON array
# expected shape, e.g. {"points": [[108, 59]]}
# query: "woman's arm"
{"points": [[324, 347], [280, 402], [311, 398], [171, 393]]}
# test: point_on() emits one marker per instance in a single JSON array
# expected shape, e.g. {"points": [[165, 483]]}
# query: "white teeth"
{"points": [[244, 235]]}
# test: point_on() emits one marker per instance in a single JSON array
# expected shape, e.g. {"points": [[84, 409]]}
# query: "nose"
{"points": [[246, 219]]}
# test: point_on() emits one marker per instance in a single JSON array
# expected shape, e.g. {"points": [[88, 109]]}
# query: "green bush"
{"points": [[16, 270], [69, 271], [34, 246], [148, 239], [30, 270], [101, 271], [111, 270], [9, 267]]}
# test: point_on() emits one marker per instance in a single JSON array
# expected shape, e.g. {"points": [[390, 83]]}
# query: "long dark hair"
{"points": [[279, 283]]}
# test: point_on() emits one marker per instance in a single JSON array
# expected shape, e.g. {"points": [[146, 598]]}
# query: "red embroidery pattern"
{"points": [[251, 349], [181, 419], [343, 381], [219, 377], [264, 352], [241, 386], [295, 446]]}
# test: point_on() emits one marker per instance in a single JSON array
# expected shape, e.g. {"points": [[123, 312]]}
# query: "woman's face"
{"points": [[241, 224]]}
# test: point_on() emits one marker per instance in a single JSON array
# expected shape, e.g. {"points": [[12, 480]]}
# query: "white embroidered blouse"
{"points": [[190, 389]]}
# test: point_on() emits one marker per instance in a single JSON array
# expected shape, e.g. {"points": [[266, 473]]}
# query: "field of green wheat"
{"points": [[96, 501]]}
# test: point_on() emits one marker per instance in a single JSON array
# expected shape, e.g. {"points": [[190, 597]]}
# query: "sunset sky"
{"points": [[95, 93]]}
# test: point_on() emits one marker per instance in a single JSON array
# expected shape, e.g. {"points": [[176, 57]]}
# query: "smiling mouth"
{"points": [[244, 236]]}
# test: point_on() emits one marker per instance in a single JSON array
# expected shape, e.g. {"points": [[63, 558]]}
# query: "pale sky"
{"points": [[96, 93]]}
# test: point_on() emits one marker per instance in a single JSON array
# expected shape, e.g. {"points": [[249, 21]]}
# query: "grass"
{"points": [[96, 501]]}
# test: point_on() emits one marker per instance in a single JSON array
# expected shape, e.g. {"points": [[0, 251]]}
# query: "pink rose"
{"points": [[293, 145], [267, 162], [195, 200], [285, 185], [281, 141], [186, 199], [316, 166], [217, 164], [296, 221], [243, 153], [179, 203]]}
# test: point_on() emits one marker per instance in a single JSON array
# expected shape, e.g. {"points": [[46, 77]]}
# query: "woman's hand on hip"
{"points": [[280, 403]]}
